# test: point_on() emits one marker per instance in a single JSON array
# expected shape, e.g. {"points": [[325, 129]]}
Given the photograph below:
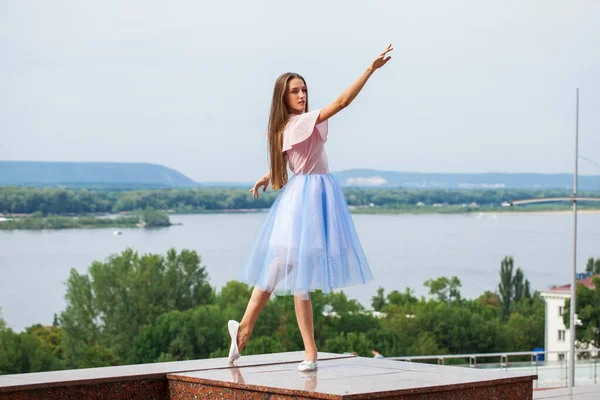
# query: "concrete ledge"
{"points": [[351, 378], [115, 380], [271, 376]]}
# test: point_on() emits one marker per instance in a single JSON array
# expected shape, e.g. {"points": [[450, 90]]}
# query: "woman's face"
{"points": [[296, 96]]}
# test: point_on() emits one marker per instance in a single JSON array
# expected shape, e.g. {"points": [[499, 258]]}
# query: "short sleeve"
{"points": [[300, 127]]}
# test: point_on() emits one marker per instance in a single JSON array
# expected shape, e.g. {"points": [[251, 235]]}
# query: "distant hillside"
{"points": [[374, 178], [90, 174], [141, 175]]}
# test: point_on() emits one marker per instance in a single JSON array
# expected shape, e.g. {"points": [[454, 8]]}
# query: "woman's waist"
{"points": [[313, 170], [309, 166], [309, 174]]}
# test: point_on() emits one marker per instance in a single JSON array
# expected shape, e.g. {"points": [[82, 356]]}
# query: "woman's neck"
{"points": [[295, 112]]}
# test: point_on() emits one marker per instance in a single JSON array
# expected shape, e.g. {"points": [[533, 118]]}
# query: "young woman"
{"points": [[308, 241]]}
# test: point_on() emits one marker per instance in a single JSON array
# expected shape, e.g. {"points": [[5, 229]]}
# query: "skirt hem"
{"points": [[288, 292]]}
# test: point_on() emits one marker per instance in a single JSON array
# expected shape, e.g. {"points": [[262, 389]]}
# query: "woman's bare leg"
{"points": [[255, 305], [304, 315], [259, 299]]}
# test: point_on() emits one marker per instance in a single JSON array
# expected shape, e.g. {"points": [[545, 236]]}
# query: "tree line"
{"points": [[142, 308], [23, 200], [148, 218]]}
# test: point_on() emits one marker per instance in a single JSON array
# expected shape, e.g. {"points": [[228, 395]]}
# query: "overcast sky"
{"points": [[473, 86]]}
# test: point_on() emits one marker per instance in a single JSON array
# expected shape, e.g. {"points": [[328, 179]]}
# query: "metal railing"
{"points": [[548, 372]]}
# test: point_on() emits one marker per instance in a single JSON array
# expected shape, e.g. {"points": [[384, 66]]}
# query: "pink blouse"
{"points": [[304, 144]]}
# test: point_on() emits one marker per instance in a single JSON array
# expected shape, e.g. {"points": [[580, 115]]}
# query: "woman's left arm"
{"points": [[354, 89]]}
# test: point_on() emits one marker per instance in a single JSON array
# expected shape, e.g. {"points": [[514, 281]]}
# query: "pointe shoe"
{"points": [[234, 353], [306, 366]]}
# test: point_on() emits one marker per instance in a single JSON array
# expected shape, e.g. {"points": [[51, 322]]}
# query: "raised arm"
{"points": [[353, 90]]}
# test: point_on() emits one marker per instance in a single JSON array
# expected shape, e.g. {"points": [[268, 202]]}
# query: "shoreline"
{"points": [[353, 209], [567, 212], [475, 212], [4, 224]]}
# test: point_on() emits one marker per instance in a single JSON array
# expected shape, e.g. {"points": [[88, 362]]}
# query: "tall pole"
{"points": [[574, 198], [573, 329]]}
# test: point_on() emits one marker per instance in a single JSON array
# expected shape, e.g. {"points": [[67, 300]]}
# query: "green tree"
{"points": [[506, 286], [520, 286], [95, 355], [23, 353], [388, 341], [183, 335], [461, 327], [593, 266], [153, 218], [234, 297], [263, 345], [340, 303], [525, 327], [138, 309], [345, 315], [513, 289], [50, 337], [588, 312], [348, 343], [109, 306], [489, 298], [425, 345], [407, 298], [445, 289], [378, 301]]}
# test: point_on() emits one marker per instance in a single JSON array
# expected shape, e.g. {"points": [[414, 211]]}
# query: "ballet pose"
{"points": [[308, 241]]}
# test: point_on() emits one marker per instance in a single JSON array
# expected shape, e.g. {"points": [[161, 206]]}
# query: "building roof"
{"points": [[587, 282]]}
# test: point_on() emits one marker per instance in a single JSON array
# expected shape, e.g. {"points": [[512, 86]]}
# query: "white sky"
{"points": [[473, 86]]}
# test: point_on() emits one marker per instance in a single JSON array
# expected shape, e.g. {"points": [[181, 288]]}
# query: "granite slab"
{"points": [[351, 378], [87, 376]]}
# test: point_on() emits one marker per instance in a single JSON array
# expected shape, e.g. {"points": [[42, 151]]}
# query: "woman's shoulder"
{"points": [[304, 116], [300, 127]]}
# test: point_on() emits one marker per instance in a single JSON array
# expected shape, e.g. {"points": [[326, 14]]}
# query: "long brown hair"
{"points": [[278, 119]]}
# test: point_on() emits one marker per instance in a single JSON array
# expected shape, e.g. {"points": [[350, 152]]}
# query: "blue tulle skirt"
{"points": [[307, 242]]}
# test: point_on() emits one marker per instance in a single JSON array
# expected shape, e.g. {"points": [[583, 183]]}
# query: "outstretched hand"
{"points": [[264, 182], [381, 59]]}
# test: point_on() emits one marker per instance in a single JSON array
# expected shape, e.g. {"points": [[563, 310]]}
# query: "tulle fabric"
{"points": [[307, 242]]}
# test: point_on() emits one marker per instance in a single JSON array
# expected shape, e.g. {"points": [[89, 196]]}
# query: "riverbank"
{"points": [[472, 210], [60, 222], [128, 220], [36, 221]]}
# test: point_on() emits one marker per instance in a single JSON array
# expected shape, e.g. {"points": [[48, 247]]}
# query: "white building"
{"points": [[557, 335]]}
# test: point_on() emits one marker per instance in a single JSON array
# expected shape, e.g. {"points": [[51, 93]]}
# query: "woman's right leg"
{"points": [[279, 269], [255, 305], [304, 315]]}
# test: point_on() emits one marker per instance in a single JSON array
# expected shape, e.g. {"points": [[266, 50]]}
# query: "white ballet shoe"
{"points": [[306, 366], [234, 353]]}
